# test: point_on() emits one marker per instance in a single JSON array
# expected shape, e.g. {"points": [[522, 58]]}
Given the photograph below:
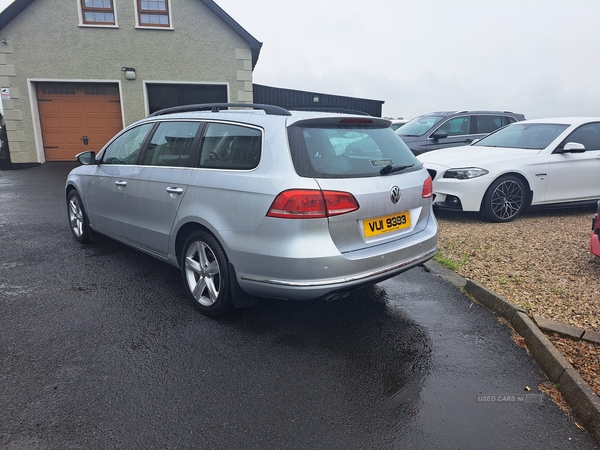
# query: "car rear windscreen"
{"points": [[347, 150]]}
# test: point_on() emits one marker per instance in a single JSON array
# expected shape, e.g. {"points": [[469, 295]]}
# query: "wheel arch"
{"points": [[70, 187], [518, 175], [184, 231], [240, 298]]}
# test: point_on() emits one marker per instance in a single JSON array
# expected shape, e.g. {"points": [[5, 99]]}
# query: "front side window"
{"points": [[171, 144], [533, 136], [347, 151], [228, 146], [126, 148], [456, 126], [98, 12], [588, 135], [153, 13]]}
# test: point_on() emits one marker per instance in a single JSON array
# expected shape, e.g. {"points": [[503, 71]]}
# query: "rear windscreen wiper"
{"points": [[391, 169]]}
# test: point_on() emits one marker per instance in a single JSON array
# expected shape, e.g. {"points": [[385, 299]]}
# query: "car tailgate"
{"points": [[391, 208]]}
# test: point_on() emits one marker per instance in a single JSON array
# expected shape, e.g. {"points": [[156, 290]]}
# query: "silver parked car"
{"points": [[259, 201]]}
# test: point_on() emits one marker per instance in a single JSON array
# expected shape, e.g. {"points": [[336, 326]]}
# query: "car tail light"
{"points": [[312, 204], [427, 188]]}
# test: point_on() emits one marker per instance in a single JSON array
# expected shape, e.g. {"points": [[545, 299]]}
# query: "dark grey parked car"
{"points": [[438, 130], [265, 202]]}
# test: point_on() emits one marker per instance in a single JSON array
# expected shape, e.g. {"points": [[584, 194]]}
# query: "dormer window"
{"points": [[98, 12], [154, 13]]}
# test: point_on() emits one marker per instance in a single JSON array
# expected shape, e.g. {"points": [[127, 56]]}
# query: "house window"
{"points": [[98, 12], [153, 13]]}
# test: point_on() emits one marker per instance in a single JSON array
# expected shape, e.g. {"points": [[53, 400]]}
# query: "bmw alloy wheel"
{"points": [[505, 199]]}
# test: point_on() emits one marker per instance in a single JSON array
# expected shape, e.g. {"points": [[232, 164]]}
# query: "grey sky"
{"points": [[537, 57]]}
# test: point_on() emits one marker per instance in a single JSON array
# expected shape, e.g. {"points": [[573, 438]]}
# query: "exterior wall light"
{"points": [[316, 99], [129, 73]]}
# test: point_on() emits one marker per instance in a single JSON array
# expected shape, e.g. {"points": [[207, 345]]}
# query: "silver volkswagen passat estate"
{"points": [[259, 201]]}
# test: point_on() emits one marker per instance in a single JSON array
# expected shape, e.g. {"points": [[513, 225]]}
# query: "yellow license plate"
{"points": [[385, 224]]}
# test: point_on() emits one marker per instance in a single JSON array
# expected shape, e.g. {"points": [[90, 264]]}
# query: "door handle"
{"points": [[85, 140], [121, 184], [174, 191]]}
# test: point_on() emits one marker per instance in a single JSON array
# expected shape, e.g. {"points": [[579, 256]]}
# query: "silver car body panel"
{"points": [[273, 257]]}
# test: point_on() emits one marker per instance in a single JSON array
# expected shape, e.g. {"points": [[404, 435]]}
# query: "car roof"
{"points": [[450, 113], [564, 120]]}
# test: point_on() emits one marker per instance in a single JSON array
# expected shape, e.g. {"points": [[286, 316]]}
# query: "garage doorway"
{"points": [[76, 117], [167, 95]]}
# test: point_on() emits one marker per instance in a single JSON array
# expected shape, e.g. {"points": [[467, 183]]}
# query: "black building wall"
{"points": [[292, 99]]}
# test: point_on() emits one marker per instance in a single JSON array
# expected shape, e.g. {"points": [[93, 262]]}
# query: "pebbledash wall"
{"points": [[46, 41]]}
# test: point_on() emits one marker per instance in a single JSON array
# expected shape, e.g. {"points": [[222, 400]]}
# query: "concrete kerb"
{"points": [[584, 402]]}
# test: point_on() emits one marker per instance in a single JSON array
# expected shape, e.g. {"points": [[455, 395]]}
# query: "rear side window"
{"points": [[229, 146], [346, 151], [171, 144], [486, 123]]}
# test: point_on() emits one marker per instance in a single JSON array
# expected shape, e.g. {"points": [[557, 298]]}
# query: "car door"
{"points": [[108, 183], [158, 185], [574, 174], [453, 132]]}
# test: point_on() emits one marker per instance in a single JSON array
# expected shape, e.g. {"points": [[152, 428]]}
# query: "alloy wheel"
{"points": [[507, 200], [202, 273], [76, 216]]}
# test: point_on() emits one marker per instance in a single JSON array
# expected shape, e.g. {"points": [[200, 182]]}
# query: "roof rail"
{"points": [[332, 109], [216, 107]]}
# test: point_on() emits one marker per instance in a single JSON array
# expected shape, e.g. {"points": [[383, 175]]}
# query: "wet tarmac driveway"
{"points": [[99, 349]]}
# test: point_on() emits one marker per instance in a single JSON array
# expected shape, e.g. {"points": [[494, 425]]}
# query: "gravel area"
{"points": [[541, 262]]}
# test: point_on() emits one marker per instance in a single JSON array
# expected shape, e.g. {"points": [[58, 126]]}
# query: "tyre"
{"points": [[505, 199], [78, 221], [205, 271]]}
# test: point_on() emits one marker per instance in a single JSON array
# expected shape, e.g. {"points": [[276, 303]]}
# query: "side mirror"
{"points": [[87, 158], [573, 147], [439, 135]]}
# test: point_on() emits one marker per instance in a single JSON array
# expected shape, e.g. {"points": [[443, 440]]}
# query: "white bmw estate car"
{"points": [[530, 163], [259, 202]]}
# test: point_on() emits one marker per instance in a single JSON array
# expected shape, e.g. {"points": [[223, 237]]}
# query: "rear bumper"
{"points": [[595, 243], [327, 288], [323, 272], [594, 236]]}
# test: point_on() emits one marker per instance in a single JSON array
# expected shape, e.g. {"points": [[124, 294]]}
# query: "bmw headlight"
{"points": [[466, 173]]}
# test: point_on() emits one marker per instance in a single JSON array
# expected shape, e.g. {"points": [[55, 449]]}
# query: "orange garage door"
{"points": [[76, 117]]}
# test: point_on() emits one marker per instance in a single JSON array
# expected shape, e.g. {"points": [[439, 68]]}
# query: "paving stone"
{"points": [[591, 336], [562, 329]]}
